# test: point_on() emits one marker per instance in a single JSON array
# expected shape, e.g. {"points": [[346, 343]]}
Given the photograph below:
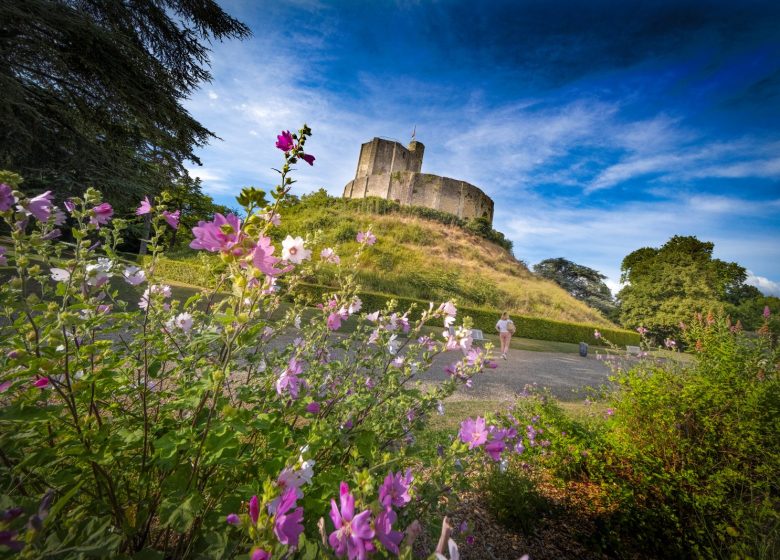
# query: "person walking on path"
{"points": [[505, 328]]}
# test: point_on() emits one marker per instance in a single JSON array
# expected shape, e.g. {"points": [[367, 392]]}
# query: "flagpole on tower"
{"points": [[414, 133]]}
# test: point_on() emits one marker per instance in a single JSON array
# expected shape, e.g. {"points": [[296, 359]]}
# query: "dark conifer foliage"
{"points": [[92, 91]]}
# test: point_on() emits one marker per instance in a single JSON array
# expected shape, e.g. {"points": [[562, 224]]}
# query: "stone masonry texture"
{"points": [[387, 169]]}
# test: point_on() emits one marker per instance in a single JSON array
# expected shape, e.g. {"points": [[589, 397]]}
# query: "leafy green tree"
{"points": [[582, 282], [93, 90], [669, 284]]}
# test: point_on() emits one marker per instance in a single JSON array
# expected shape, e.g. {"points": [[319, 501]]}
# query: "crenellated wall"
{"points": [[387, 169]]}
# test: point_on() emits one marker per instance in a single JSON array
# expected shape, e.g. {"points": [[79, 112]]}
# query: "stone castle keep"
{"points": [[388, 170]]}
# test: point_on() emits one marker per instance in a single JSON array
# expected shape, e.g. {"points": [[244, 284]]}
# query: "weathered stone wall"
{"points": [[422, 189], [389, 170]]}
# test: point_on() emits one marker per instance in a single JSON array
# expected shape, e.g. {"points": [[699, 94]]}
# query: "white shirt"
{"points": [[503, 325]]}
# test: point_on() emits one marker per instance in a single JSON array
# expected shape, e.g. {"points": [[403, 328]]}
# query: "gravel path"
{"points": [[563, 374]]}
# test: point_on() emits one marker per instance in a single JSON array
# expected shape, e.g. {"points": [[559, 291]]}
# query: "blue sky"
{"points": [[597, 127]]}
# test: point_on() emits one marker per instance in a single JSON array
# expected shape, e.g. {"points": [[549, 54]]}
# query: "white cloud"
{"points": [[506, 150], [768, 287], [213, 95]]}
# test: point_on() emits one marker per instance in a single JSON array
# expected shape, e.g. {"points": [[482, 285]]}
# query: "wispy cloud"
{"points": [[551, 157]]}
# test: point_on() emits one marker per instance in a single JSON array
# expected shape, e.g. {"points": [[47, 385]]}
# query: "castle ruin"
{"points": [[387, 169]]}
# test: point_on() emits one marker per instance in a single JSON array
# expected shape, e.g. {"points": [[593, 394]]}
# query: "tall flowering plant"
{"points": [[231, 424]]}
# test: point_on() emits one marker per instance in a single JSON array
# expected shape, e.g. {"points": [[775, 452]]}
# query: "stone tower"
{"points": [[389, 170]]}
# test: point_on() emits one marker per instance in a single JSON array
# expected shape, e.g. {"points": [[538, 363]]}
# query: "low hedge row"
{"points": [[185, 271], [485, 319], [191, 272]]}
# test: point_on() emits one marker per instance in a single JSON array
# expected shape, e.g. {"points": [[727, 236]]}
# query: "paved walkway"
{"points": [[563, 374]]}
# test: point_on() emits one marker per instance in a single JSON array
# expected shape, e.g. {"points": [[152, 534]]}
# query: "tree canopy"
{"points": [[582, 282], [93, 91], [667, 285]]}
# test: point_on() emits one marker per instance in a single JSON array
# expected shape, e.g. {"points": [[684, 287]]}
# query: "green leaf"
{"points": [[180, 514]]}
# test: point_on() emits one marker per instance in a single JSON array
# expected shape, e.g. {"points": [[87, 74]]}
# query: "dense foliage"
{"points": [[93, 91], [226, 425], [582, 282], [685, 455], [664, 284]]}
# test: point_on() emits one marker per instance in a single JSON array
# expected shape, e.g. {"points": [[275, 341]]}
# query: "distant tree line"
{"points": [[665, 286]]}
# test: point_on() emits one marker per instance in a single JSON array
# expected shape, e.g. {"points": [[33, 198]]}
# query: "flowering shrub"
{"points": [[685, 453], [220, 426]]}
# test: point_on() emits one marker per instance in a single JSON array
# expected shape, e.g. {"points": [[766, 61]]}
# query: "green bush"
{"points": [[485, 320], [693, 453], [513, 497]]}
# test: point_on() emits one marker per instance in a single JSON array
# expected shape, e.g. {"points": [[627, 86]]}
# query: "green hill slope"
{"points": [[424, 258]]}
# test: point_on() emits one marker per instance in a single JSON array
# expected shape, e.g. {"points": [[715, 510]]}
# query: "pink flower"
{"points": [[383, 525], [352, 532], [285, 141], [334, 321], [308, 158], [494, 449], [260, 554], [330, 256], [70, 206], [103, 213], [288, 524], [144, 208], [395, 489], [448, 308], [3, 259], [767, 313], [254, 510], [473, 432], [596, 334], [222, 234], [7, 198], [313, 407], [41, 382], [263, 259], [272, 217], [172, 218], [5, 385], [288, 380], [233, 519], [366, 237], [40, 206], [641, 330]]}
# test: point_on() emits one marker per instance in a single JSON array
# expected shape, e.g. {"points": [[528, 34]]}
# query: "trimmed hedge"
{"points": [[185, 271], [191, 272], [485, 319]]}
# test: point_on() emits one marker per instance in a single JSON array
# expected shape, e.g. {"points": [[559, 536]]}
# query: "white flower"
{"points": [[184, 321], [392, 345], [373, 317], [355, 306], [59, 274], [293, 250], [134, 275], [297, 322]]}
